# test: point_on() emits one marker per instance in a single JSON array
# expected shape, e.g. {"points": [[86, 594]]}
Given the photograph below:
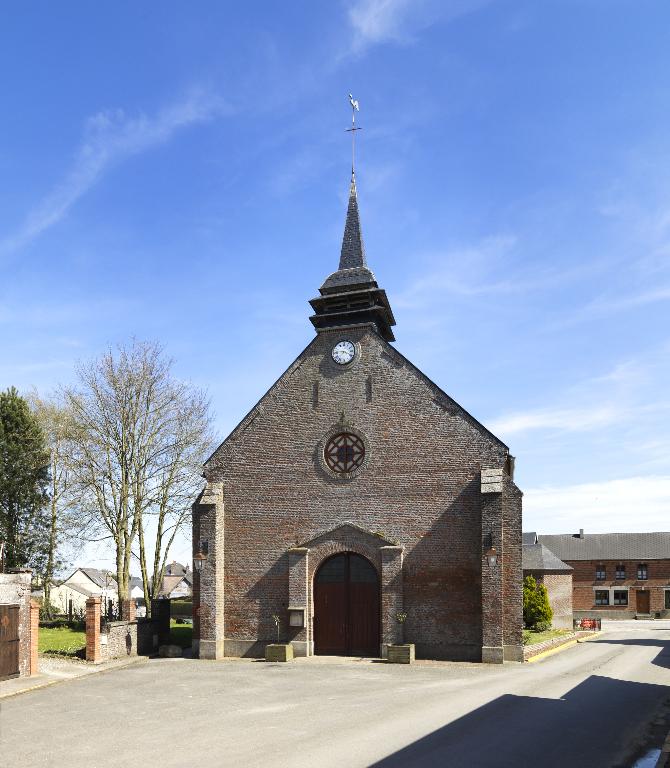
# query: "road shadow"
{"points": [[662, 659], [593, 725]]}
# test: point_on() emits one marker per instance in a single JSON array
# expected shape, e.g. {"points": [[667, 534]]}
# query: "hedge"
{"points": [[181, 608]]}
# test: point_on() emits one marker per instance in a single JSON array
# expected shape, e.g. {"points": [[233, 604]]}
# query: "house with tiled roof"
{"points": [[616, 575], [71, 594]]}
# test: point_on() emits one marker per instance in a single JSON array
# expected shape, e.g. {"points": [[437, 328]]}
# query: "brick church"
{"points": [[356, 490]]}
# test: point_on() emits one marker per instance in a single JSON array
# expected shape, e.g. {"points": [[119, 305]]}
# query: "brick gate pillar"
{"points": [[93, 652], [208, 534], [128, 610], [34, 636], [392, 598], [298, 598]]}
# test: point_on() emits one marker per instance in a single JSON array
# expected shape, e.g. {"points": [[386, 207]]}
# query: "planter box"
{"points": [[279, 652], [401, 654]]}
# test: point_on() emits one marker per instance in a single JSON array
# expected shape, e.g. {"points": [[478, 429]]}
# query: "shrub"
{"points": [[536, 608], [542, 626], [181, 608]]}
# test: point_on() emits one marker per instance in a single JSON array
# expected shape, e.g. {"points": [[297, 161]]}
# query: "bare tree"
{"points": [[141, 439], [64, 525]]}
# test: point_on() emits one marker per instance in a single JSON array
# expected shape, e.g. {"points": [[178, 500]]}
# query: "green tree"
{"points": [[24, 479], [536, 608]]}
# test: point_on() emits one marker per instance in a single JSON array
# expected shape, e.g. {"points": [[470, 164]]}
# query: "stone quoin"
{"points": [[353, 491]]}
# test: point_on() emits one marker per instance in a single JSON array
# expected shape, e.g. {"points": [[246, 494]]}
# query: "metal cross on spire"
{"points": [[353, 129]]}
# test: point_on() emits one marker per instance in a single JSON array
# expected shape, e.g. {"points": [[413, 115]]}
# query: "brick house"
{"points": [[354, 490], [616, 575], [543, 565]]}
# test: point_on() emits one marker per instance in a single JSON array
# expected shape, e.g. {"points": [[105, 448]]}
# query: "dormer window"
{"points": [[600, 573]]}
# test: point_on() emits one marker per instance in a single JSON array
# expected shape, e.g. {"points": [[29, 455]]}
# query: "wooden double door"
{"points": [[9, 641], [346, 607]]}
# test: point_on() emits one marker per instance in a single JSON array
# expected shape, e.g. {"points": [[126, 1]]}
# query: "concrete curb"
{"points": [[100, 669], [568, 643]]}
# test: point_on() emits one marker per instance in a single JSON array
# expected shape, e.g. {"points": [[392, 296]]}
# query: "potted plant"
{"points": [[401, 653], [278, 651]]}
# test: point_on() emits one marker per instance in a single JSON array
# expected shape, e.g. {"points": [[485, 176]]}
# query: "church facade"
{"points": [[357, 504]]}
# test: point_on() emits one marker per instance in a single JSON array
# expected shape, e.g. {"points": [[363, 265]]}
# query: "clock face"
{"points": [[343, 352]]}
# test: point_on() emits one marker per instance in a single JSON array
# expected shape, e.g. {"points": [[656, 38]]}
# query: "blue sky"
{"points": [[179, 172]]}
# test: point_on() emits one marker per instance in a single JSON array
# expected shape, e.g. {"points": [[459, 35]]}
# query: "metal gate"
{"points": [[9, 641]]}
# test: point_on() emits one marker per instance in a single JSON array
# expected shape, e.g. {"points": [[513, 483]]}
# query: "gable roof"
{"points": [[609, 546], [99, 577], [536, 557], [441, 399], [170, 583]]}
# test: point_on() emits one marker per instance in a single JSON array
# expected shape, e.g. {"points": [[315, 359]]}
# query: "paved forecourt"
{"points": [[334, 712]]}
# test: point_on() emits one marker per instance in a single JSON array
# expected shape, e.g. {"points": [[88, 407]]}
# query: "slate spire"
{"points": [[352, 254], [351, 295]]}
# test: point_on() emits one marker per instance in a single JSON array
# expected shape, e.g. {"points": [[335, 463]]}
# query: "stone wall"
{"points": [[106, 640], [15, 590], [419, 489]]}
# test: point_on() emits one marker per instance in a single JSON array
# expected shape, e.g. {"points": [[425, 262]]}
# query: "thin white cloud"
{"points": [[380, 21], [109, 137], [620, 396], [629, 504], [564, 419]]}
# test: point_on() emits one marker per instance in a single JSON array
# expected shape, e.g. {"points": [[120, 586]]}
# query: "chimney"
{"points": [[581, 533]]}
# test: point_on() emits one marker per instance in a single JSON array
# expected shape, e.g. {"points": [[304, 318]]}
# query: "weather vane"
{"points": [[353, 129]]}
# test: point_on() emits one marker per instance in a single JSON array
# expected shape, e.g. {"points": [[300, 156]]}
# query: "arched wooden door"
{"points": [[346, 607]]}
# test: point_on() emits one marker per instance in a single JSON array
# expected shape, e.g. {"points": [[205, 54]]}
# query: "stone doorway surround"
{"points": [[305, 559]]}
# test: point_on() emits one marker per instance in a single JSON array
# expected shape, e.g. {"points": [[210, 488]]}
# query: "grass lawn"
{"points": [[181, 634], [530, 637], [62, 641]]}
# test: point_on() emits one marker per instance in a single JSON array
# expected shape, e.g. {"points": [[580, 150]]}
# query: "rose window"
{"points": [[344, 452]]}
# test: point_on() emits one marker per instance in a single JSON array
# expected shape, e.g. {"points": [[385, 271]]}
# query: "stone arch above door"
{"points": [[384, 554], [347, 537]]}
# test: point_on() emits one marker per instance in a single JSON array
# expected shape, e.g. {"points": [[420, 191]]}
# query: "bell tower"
{"points": [[351, 295]]}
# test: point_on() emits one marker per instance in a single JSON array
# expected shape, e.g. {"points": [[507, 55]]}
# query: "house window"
{"points": [[621, 572], [600, 573], [667, 599], [620, 597], [602, 597], [642, 572]]}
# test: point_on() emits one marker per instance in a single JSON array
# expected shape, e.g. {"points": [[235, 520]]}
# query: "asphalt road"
{"points": [[589, 705]]}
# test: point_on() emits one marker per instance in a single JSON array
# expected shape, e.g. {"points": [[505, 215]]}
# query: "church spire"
{"points": [[353, 251], [351, 296]]}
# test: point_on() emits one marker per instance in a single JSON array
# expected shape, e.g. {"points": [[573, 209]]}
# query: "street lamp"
{"points": [[492, 556], [201, 555]]}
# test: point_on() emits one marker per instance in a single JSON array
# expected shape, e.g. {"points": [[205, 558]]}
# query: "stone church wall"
{"points": [[419, 489]]}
